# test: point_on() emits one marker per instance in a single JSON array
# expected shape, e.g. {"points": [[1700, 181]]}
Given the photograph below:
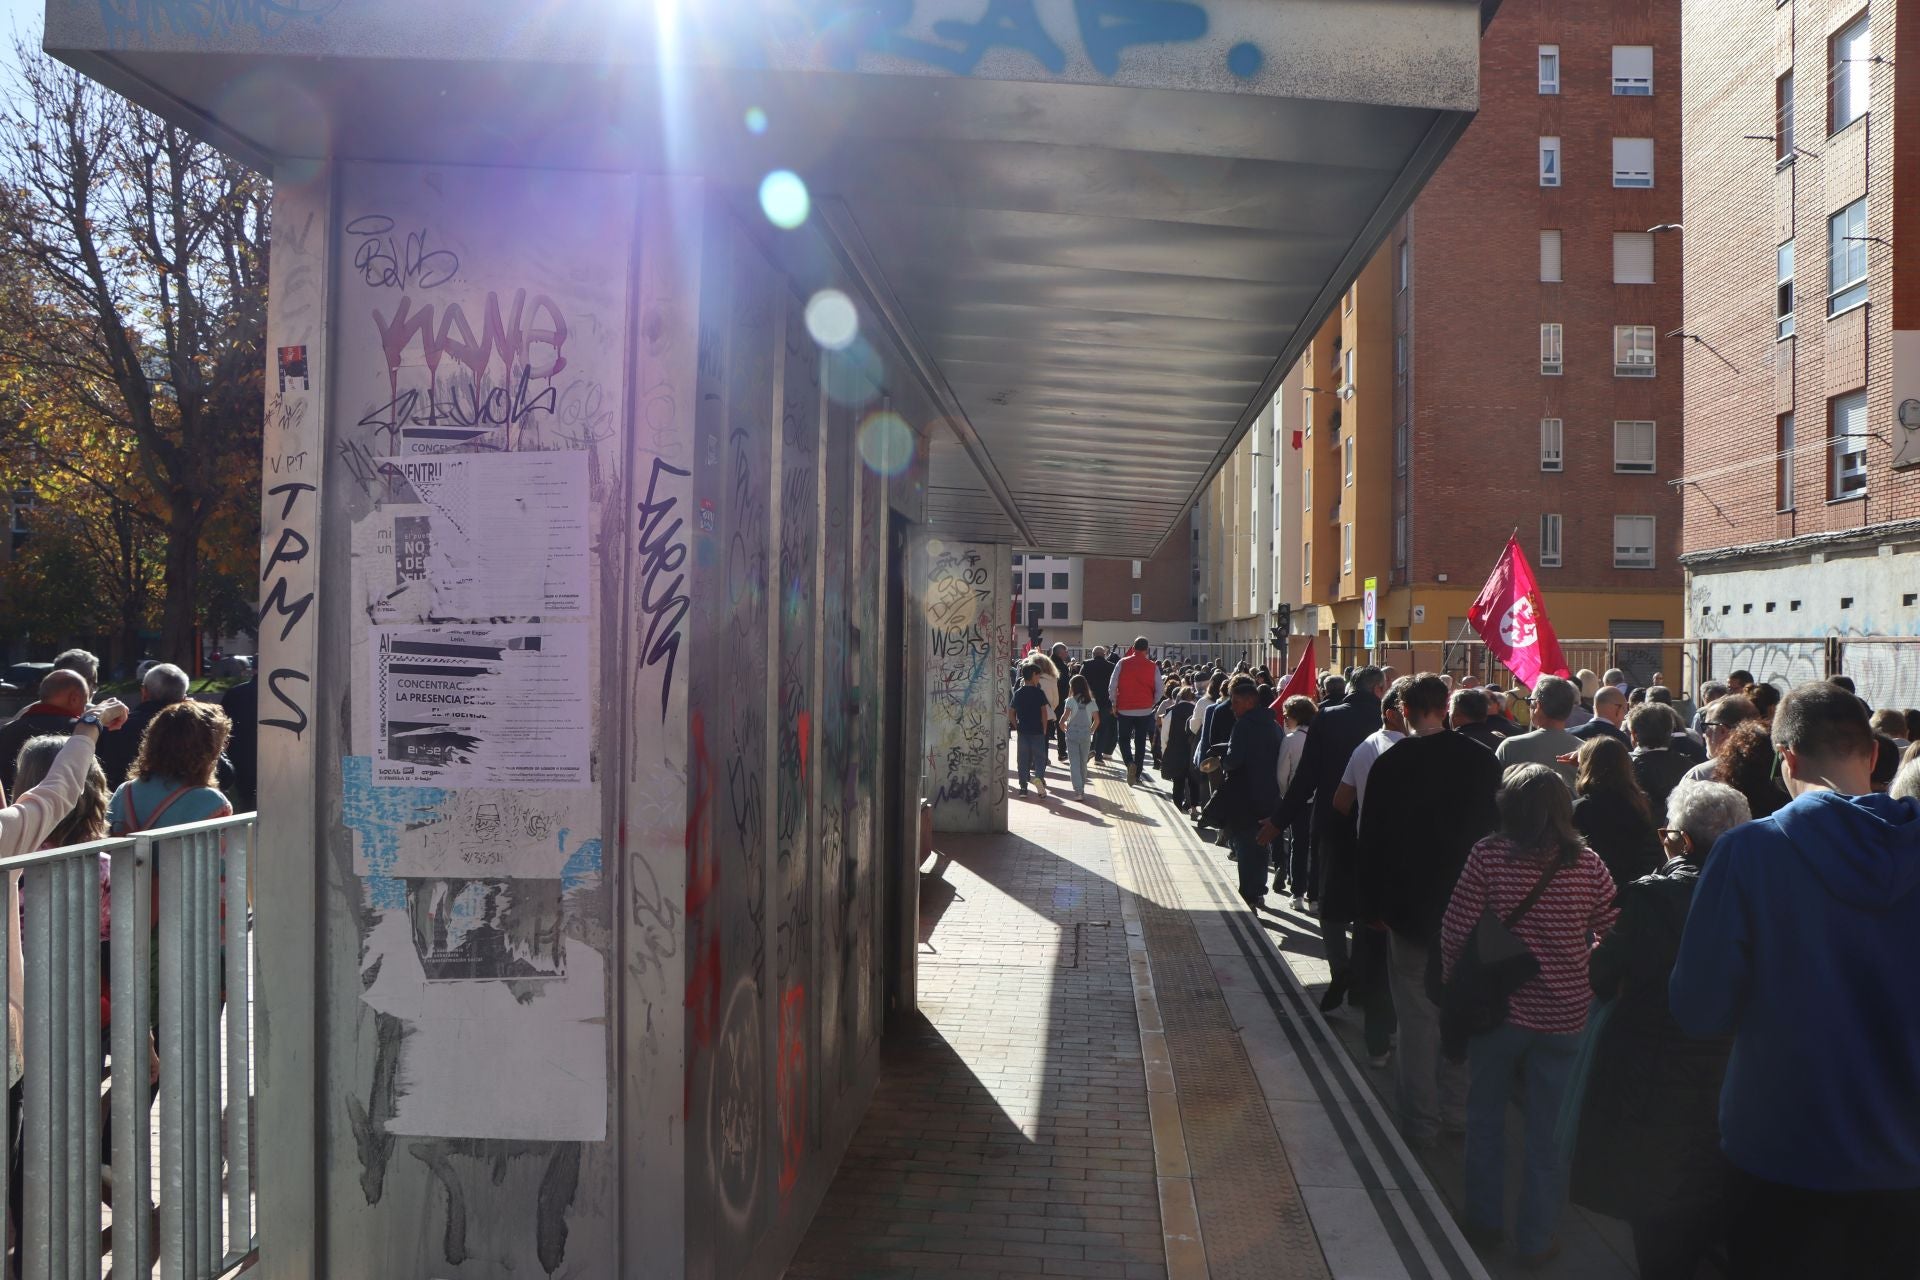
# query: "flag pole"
{"points": [[1446, 656]]}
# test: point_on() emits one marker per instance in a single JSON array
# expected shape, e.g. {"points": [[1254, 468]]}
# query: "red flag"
{"points": [[1301, 682], [1512, 619]]}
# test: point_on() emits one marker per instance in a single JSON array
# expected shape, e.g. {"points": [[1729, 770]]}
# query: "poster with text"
{"points": [[482, 706]]}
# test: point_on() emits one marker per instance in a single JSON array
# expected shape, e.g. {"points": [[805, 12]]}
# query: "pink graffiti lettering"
{"points": [[512, 338]]}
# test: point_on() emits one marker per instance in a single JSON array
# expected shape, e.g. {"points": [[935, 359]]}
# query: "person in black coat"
{"points": [[1613, 813], [1656, 766], [1430, 799], [1609, 709], [1176, 762], [1216, 728], [1469, 719], [1649, 1144], [242, 705], [1331, 738], [1250, 788], [1099, 673]]}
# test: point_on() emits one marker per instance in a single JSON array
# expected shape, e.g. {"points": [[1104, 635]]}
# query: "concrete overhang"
{"points": [[1102, 229]]}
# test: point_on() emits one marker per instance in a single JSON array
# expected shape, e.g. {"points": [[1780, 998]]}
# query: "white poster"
{"points": [[1906, 398], [482, 706], [499, 535]]}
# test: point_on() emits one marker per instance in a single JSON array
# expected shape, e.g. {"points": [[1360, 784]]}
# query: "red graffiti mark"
{"points": [[790, 1085], [704, 973], [806, 739], [512, 336]]}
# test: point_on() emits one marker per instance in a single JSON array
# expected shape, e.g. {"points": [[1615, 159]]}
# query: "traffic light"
{"points": [[1285, 616], [1033, 636], [1278, 637]]}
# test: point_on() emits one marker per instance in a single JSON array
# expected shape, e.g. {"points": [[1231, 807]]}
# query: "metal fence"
{"points": [[180, 936]]}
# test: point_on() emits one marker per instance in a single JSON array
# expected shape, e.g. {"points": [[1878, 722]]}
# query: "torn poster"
{"points": [[484, 706], [467, 536], [501, 1059]]}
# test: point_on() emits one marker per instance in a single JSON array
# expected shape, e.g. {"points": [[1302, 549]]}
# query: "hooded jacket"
{"points": [[1804, 942]]}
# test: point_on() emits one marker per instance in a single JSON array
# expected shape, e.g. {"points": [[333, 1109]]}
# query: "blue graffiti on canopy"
{"points": [[1106, 28], [379, 814]]}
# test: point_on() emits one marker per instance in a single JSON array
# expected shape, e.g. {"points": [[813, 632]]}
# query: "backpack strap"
{"points": [[134, 822], [1540, 887]]}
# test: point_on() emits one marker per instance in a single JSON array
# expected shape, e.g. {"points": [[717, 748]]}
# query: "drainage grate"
{"points": [[1252, 1218]]}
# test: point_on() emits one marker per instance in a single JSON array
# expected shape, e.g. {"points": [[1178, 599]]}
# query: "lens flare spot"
{"points": [[832, 320], [886, 443], [783, 198], [756, 120]]}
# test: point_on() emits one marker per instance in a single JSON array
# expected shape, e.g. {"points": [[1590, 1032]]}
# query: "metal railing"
{"points": [[195, 958]]}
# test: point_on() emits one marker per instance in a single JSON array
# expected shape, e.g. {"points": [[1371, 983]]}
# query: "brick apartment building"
{"points": [[1501, 364], [1121, 599], [1802, 464]]}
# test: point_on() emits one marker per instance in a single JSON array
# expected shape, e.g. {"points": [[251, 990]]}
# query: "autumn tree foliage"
{"points": [[132, 351]]}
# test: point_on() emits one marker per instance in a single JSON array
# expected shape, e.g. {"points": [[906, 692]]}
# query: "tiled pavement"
{"points": [[1019, 1127]]}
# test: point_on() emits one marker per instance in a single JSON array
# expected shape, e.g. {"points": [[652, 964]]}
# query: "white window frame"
{"points": [[1633, 257], [1550, 167], [1136, 568], [1347, 452], [1553, 444], [1631, 169], [1783, 290], [1550, 258], [1136, 604], [1850, 72], [1406, 266], [1847, 428], [1400, 355], [1847, 258], [1552, 349], [1550, 541], [1634, 79], [1347, 364], [1638, 552], [1549, 68], [1633, 351], [1346, 547], [1306, 561], [1629, 435], [1783, 115]]}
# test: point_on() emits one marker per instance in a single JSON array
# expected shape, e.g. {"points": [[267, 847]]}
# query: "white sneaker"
{"points": [[1297, 903], [1041, 783]]}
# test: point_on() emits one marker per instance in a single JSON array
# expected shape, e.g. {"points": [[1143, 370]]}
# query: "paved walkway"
{"points": [[1118, 1072]]}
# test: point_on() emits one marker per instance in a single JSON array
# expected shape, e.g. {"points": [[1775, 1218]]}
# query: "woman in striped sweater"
{"points": [[1537, 1043]]}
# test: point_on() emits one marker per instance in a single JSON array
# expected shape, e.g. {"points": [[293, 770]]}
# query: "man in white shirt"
{"points": [[1352, 793]]}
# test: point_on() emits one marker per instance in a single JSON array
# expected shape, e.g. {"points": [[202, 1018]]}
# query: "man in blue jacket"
{"points": [[1804, 943], [1252, 781]]}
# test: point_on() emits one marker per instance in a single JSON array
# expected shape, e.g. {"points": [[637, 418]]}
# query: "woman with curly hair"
{"points": [[1748, 765], [173, 776]]}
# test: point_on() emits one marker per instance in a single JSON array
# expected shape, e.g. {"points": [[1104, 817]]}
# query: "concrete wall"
{"points": [[577, 661], [970, 645]]}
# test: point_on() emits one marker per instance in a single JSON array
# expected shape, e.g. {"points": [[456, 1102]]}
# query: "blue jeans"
{"points": [[1032, 751], [1078, 745], [1543, 1063]]}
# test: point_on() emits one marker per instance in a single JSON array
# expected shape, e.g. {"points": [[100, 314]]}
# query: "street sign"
{"points": [[1369, 600]]}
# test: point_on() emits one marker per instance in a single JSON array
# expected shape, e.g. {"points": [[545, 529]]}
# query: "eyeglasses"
{"points": [[1672, 836]]}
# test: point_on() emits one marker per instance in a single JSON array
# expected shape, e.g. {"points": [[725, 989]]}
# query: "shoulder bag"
{"points": [[1493, 965]]}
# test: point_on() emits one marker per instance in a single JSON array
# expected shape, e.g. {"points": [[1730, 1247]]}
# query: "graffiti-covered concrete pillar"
{"points": [[967, 599], [578, 650]]}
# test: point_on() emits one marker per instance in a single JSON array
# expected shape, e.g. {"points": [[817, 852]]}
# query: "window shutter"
{"points": [[1633, 162], [1632, 257], [1633, 68], [1550, 255]]}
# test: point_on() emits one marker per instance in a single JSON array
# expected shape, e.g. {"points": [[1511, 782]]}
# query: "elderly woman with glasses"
{"points": [[1649, 1147]]}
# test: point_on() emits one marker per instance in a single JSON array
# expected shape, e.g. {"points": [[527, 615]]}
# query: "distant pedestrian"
{"points": [[1609, 713], [242, 705], [1469, 717], [1135, 691], [1031, 715], [81, 663], [1717, 723], [174, 775], [1613, 813], [1656, 765], [1251, 788], [1802, 941], [1099, 673], [163, 685], [1303, 869], [1176, 762], [1553, 701], [1081, 718]]}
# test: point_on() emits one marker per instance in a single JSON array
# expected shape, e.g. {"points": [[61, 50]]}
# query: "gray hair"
{"points": [[1556, 697], [81, 663], [164, 682], [1906, 783], [1706, 811]]}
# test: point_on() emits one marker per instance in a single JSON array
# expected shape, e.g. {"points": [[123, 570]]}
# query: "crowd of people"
{"points": [[1680, 934]]}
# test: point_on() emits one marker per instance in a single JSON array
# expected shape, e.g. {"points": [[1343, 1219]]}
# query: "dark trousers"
{"points": [[1303, 867], [1364, 968], [1105, 736], [1777, 1232], [1672, 1246], [1135, 733], [1180, 789], [1251, 859]]}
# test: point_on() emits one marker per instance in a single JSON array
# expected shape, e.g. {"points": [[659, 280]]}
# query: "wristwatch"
{"points": [[91, 717]]}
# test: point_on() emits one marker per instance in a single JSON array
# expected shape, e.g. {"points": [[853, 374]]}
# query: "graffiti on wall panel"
{"points": [[966, 675]]}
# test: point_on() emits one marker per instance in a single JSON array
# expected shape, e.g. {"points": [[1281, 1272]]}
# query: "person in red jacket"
{"points": [[1135, 692]]}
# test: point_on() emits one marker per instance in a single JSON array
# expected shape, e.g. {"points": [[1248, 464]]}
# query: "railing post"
{"points": [[132, 1074], [1834, 659]]}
